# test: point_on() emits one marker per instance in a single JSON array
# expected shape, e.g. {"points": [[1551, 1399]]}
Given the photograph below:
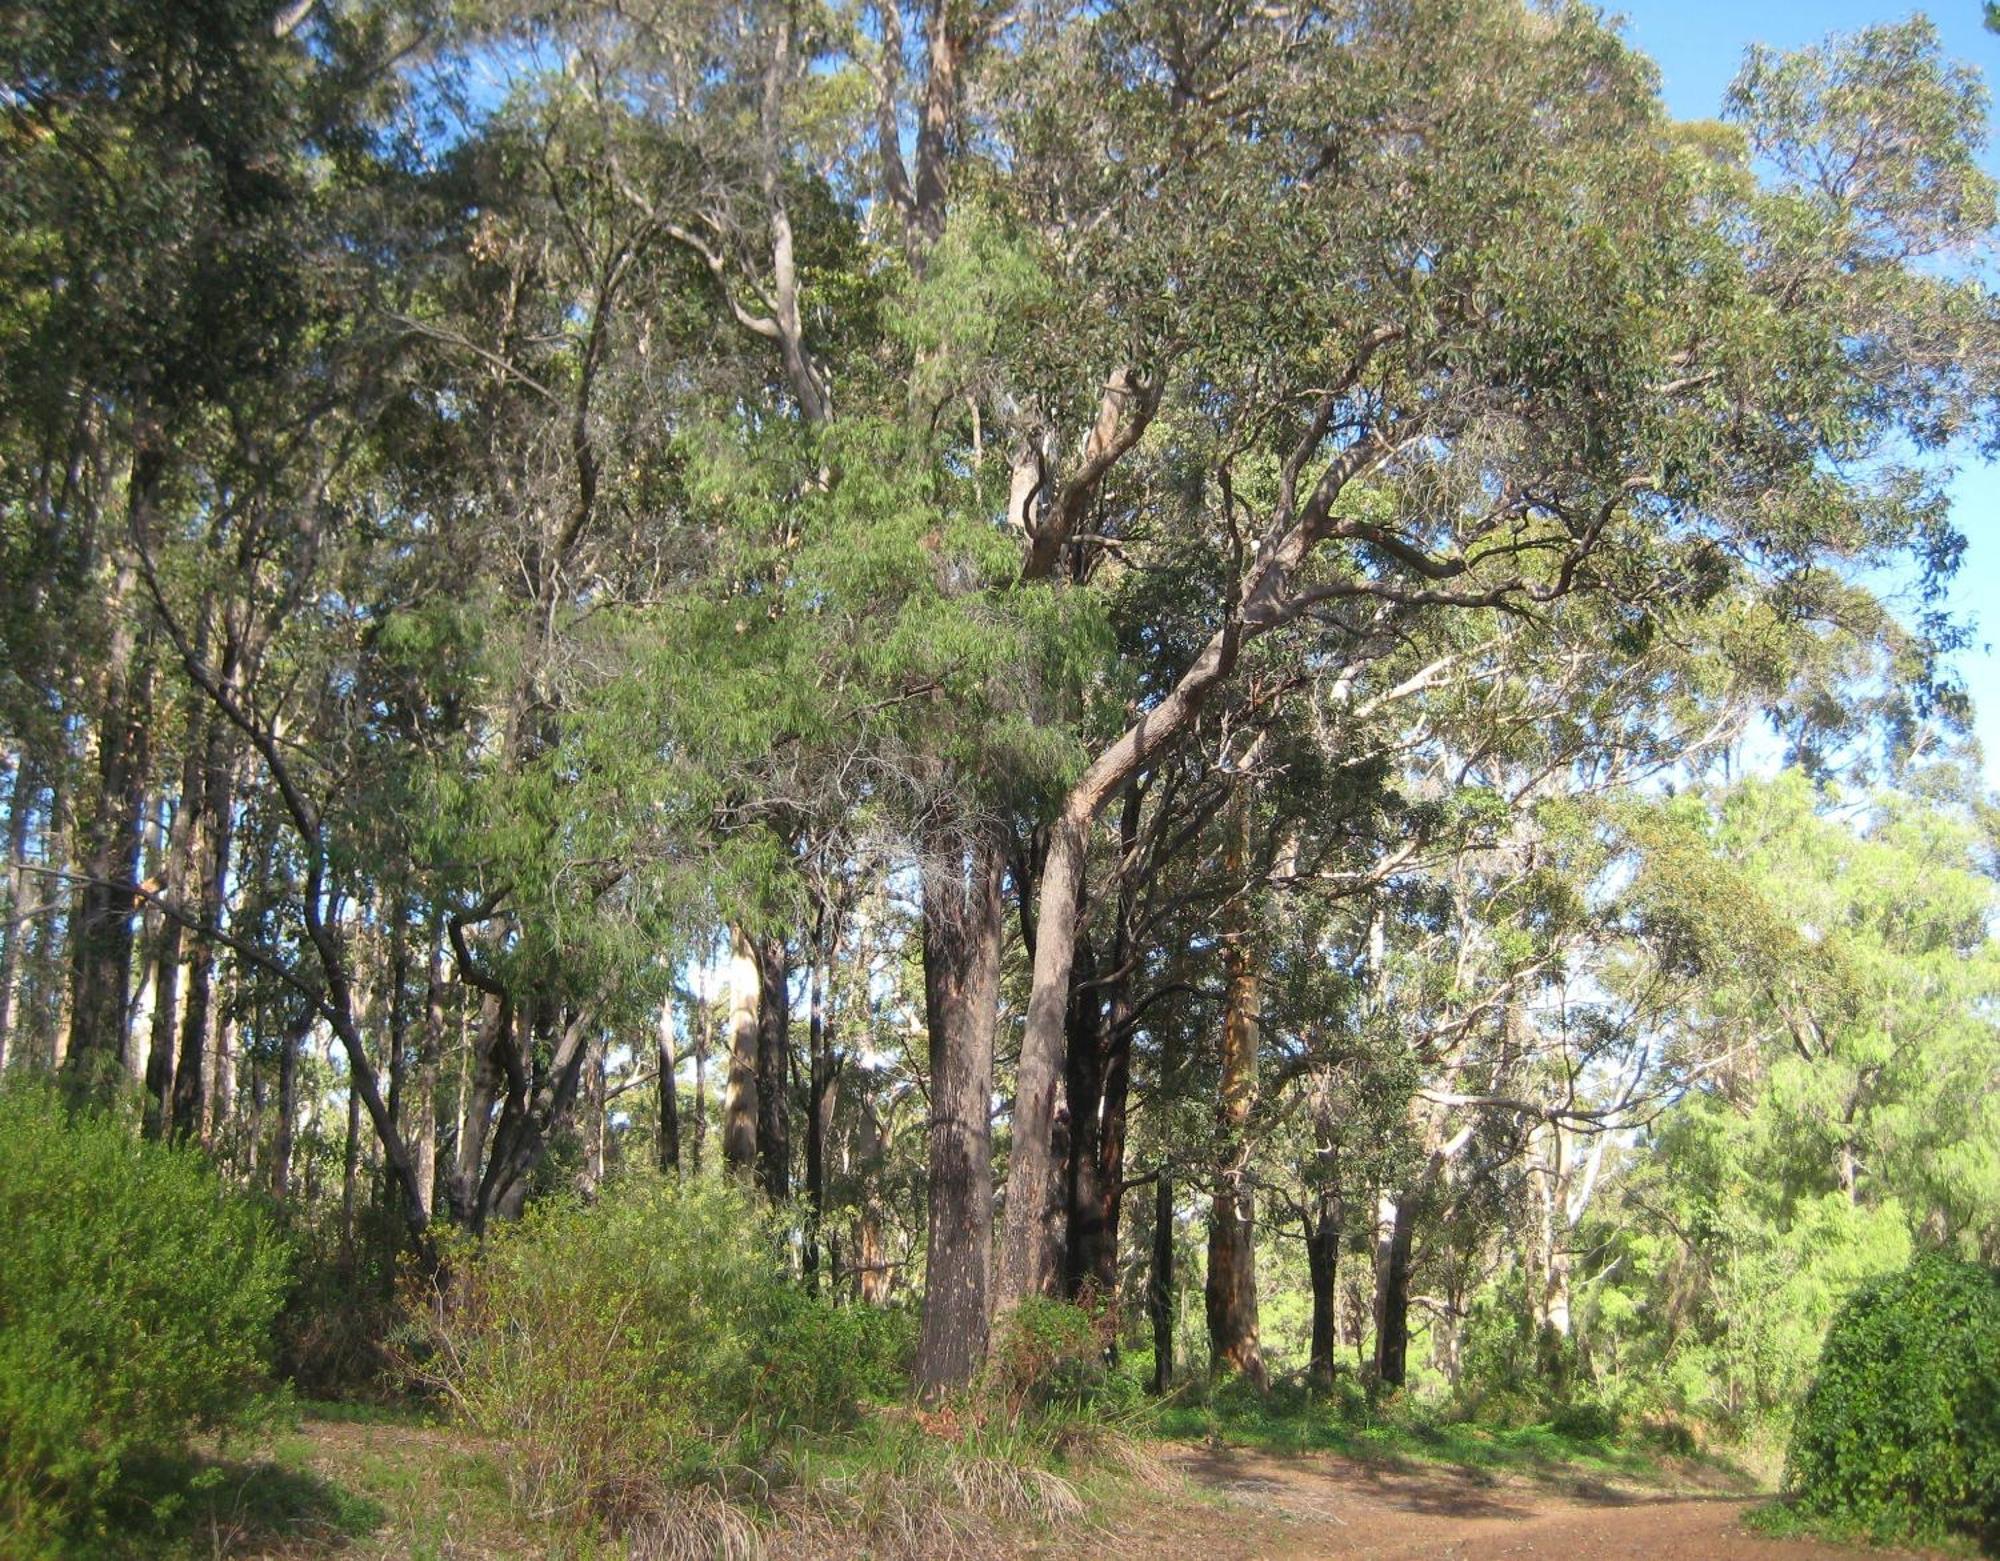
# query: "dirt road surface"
{"points": [[1241, 1506]]}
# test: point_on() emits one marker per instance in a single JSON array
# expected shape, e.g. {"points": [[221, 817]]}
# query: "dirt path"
{"points": [[1250, 1507]]}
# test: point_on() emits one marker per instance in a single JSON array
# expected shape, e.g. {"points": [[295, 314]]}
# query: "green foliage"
{"points": [[136, 1303], [1048, 1354], [1900, 1433], [642, 1345]]}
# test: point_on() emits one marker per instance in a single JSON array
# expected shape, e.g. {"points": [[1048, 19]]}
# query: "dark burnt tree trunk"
{"points": [[22, 909], [1392, 1293], [962, 930], [102, 938], [288, 1107], [212, 841], [1323, 1228], [774, 1069], [670, 1107], [179, 869], [1160, 1282], [823, 1072], [1083, 1084]]}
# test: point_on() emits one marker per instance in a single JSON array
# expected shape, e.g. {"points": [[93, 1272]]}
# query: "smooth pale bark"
{"points": [[739, 1102], [963, 925], [1031, 1255]]}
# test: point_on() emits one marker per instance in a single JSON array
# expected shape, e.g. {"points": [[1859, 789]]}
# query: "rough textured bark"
{"points": [[667, 1064], [102, 937], [1231, 1288], [22, 796], [1160, 1283], [422, 1111], [962, 931], [823, 1075], [1323, 1228], [739, 1103], [871, 1255], [1099, 1080], [288, 1111], [1396, 1234], [201, 1032], [774, 1068], [178, 870]]}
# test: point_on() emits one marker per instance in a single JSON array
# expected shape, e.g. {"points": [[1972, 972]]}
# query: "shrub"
{"points": [[1899, 1434], [642, 1344], [1048, 1354], [136, 1299]]}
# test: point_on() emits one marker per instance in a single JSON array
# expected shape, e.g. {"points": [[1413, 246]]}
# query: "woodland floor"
{"points": [[380, 1489], [1250, 1506]]}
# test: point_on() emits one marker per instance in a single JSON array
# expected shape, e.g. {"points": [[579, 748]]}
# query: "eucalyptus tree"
{"points": [[1506, 334]]}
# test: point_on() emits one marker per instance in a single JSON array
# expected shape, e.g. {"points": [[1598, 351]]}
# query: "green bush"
{"points": [[644, 1343], [1046, 1354], [1899, 1434], [136, 1299]]}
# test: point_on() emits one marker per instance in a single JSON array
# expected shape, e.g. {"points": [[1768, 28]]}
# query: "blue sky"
{"points": [[1698, 44]]}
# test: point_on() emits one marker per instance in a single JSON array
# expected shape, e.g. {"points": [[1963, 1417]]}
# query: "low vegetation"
{"points": [[1899, 1436], [136, 1305]]}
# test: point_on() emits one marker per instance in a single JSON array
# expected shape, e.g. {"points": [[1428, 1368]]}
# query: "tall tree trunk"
{"points": [[288, 1109], [962, 930], [422, 1110], [179, 872], [1231, 1290], [1160, 1282], [739, 1104], [667, 1064], [1323, 1229], [1099, 1089], [823, 1073], [102, 939], [202, 1033], [774, 1068], [871, 1256], [699, 1138], [1397, 1231], [594, 1106], [22, 907]]}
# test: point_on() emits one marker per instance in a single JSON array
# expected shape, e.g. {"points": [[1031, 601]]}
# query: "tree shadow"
{"points": [[216, 1507]]}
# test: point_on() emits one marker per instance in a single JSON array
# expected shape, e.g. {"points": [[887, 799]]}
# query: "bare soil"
{"points": [[1245, 1506]]}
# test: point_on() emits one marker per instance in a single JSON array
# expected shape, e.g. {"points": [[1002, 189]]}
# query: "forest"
{"points": [[798, 777]]}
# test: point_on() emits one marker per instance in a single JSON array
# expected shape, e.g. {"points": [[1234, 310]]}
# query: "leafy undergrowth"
{"points": [[1289, 1422], [372, 1483], [1784, 1518]]}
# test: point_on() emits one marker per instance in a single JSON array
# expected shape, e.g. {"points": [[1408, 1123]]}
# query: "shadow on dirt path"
{"points": [[1242, 1506]]}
